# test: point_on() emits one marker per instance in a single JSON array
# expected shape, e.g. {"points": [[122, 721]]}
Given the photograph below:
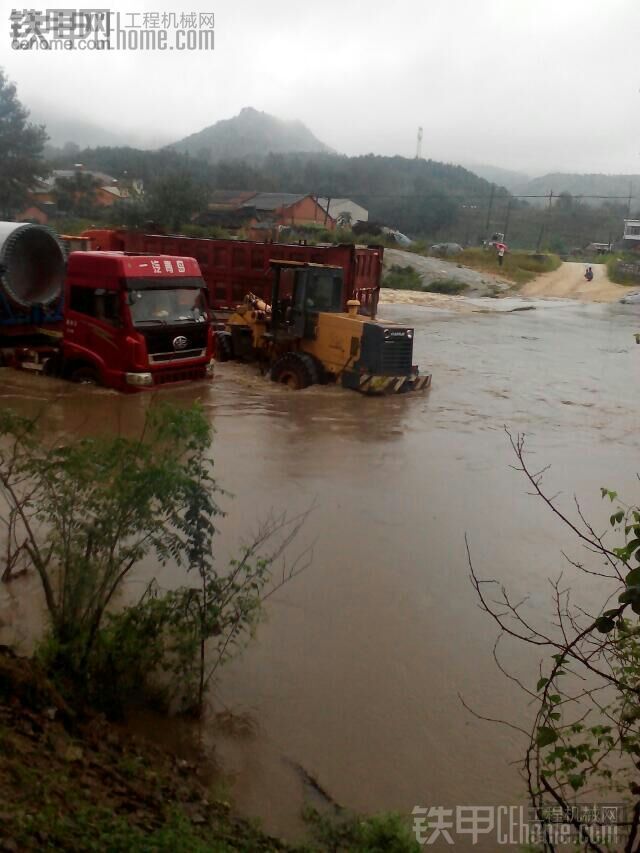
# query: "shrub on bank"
{"points": [[623, 270], [403, 278], [450, 286]]}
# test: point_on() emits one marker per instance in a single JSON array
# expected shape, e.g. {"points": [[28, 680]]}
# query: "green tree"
{"points": [[21, 147], [584, 735], [76, 195], [174, 199]]}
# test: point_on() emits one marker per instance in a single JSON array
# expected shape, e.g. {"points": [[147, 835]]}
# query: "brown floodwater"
{"points": [[357, 672]]}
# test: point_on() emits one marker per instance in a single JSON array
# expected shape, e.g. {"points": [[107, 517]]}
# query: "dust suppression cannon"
{"points": [[32, 264]]}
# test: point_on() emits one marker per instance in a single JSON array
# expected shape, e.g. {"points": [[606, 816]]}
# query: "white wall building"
{"points": [[632, 232], [344, 211]]}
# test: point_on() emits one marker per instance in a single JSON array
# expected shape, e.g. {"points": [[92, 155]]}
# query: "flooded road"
{"points": [[356, 674]]}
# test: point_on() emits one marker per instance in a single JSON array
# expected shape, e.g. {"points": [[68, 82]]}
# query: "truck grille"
{"points": [[160, 340], [397, 355], [168, 357]]}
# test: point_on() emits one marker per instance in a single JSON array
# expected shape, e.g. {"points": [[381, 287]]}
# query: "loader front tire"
{"points": [[296, 369]]}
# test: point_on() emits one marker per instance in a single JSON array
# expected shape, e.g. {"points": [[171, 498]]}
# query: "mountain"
{"points": [[65, 128], [513, 181], [250, 136], [589, 185]]}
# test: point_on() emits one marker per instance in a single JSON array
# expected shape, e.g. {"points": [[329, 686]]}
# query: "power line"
{"points": [[444, 195]]}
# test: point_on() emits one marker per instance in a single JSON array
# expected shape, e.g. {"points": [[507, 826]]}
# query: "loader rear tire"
{"points": [[224, 346], [297, 370]]}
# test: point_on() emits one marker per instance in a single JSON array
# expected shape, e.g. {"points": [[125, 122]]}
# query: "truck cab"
{"points": [[135, 321]]}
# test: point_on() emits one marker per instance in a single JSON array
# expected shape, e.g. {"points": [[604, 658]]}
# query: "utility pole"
{"points": [[542, 227], [419, 144], [506, 221], [488, 222]]}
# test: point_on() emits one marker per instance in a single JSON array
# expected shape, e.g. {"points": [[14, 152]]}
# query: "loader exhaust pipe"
{"points": [[32, 264]]}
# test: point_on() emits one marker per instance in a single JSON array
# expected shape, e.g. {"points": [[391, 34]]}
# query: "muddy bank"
{"points": [[76, 784]]}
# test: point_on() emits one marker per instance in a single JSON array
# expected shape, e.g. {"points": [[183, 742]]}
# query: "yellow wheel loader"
{"points": [[304, 336]]}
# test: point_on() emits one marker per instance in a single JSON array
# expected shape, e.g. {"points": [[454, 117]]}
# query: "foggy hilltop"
{"points": [[250, 134]]}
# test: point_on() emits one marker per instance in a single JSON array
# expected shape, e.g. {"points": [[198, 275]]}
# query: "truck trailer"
{"points": [[233, 268], [108, 318]]}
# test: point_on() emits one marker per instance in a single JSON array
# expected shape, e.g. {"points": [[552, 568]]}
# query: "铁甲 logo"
{"points": [[180, 342]]}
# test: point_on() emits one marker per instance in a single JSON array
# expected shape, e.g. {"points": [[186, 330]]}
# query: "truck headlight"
{"points": [[409, 333], [139, 379]]}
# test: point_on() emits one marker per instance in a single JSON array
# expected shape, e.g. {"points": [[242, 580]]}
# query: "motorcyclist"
{"points": [[589, 274]]}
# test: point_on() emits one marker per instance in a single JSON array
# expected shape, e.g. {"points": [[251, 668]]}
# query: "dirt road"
{"points": [[568, 282]]}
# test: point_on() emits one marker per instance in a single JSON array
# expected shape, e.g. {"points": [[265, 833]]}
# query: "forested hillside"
{"points": [[417, 196], [424, 198]]}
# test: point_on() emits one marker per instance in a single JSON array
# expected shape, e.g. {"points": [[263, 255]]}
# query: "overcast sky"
{"points": [[534, 86]]}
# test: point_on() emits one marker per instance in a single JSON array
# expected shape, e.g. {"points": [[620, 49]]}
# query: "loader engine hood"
{"points": [[386, 350]]}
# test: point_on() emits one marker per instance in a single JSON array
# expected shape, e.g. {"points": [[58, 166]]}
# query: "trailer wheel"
{"points": [[85, 375], [224, 346], [296, 369]]}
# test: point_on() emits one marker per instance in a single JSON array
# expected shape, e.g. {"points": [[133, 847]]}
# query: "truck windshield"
{"points": [[163, 305]]}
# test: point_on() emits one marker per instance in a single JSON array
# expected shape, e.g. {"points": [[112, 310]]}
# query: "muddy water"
{"points": [[357, 672]]}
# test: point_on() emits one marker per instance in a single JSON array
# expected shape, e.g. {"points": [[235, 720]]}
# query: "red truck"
{"points": [[125, 322], [233, 268]]}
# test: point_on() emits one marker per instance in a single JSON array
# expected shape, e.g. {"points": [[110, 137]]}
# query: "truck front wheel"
{"points": [[224, 346], [85, 375]]}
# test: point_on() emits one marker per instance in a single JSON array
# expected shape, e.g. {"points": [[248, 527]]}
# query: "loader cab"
{"points": [[300, 293]]}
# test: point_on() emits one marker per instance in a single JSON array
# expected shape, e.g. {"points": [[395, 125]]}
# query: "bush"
{"points": [[85, 515], [402, 278], [349, 833], [582, 732], [622, 270], [445, 285]]}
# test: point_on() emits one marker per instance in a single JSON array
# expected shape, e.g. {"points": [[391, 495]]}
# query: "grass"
{"points": [[97, 828], [519, 267]]}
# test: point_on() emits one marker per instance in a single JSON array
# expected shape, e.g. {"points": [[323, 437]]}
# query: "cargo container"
{"points": [[234, 268]]}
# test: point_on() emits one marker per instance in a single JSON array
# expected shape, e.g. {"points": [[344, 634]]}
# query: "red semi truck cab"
{"points": [[132, 322]]}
